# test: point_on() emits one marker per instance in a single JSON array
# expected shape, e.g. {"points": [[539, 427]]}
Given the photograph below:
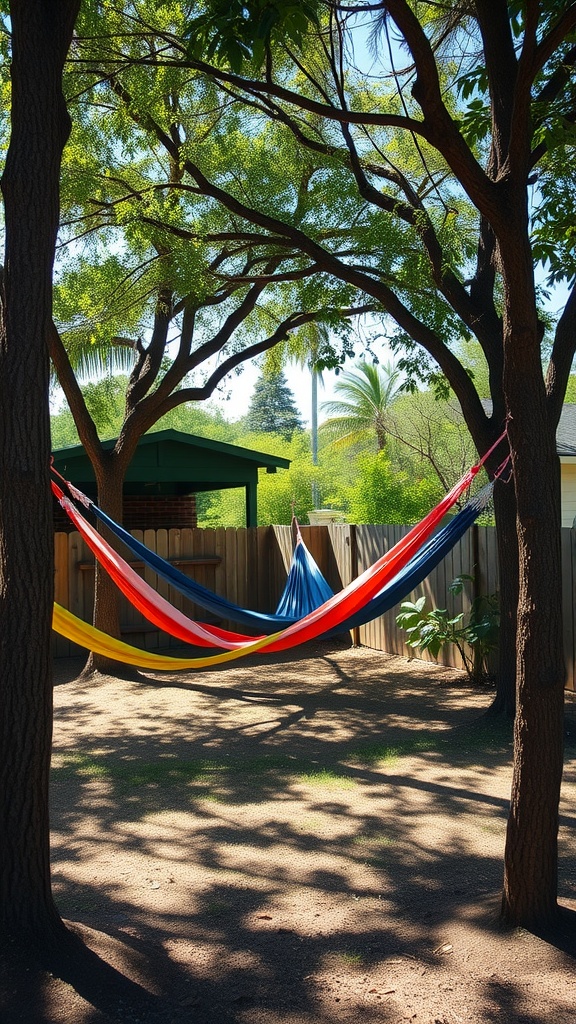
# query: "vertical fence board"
{"points": [[131, 619], [343, 553], [220, 570], [242, 575], [568, 601], [229, 564], [283, 535], [265, 544]]}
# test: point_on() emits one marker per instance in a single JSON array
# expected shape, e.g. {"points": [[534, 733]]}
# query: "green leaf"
{"points": [[457, 584]]}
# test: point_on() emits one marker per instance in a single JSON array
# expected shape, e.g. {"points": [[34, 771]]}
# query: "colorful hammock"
{"points": [[329, 615], [414, 572], [305, 588], [332, 614], [335, 609]]}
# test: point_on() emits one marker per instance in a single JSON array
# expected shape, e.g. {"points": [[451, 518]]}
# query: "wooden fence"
{"points": [[249, 566]]}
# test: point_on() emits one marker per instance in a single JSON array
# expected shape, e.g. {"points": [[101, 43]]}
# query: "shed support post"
{"points": [[251, 505]]}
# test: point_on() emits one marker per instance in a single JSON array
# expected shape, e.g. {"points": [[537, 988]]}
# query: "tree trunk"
{"points": [[505, 514], [530, 862], [41, 34], [530, 879]]}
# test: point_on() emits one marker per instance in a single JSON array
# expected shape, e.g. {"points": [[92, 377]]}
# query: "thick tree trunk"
{"points": [[41, 34], [505, 513], [530, 879]]}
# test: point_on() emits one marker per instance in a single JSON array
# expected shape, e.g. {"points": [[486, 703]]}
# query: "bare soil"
{"points": [[315, 839]]}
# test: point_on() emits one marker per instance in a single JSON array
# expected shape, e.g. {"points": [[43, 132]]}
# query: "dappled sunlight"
{"points": [[312, 850]]}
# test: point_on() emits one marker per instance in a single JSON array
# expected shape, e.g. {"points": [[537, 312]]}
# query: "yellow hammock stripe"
{"points": [[80, 632]]}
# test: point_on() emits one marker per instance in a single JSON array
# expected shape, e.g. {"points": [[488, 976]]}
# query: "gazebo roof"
{"points": [[171, 462]]}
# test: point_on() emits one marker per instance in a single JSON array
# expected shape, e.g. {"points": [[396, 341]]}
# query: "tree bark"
{"points": [[504, 702], [41, 35], [530, 863]]}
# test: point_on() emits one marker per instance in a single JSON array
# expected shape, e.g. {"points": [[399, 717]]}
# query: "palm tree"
{"points": [[302, 347], [360, 414]]}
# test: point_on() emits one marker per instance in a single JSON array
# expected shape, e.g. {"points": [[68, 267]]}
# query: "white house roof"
{"points": [[566, 433]]}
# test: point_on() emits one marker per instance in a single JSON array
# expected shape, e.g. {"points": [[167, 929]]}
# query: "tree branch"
{"points": [[84, 424], [563, 351], [291, 323], [150, 358], [557, 34]]}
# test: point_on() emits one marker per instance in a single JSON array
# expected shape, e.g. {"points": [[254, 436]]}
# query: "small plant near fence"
{"points": [[475, 635]]}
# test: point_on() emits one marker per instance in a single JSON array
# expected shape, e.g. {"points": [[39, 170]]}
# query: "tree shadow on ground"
{"points": [[263, 852], [35, 978]]}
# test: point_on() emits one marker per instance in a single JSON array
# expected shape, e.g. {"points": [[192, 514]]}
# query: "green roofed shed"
{"points": [[173, 464]]}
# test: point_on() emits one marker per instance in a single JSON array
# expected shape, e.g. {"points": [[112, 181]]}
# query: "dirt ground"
{"points": [[316, 839]]}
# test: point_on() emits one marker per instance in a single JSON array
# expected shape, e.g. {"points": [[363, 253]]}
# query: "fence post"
{"points": [[476, 569], [476, 590], [355, 632]]}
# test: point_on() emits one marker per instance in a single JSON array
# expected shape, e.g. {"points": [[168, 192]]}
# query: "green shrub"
{"points": [[474, 636]]}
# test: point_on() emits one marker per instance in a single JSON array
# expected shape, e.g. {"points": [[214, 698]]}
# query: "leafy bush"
{"points": [[384, 495], [278, 493], [474, 637]]}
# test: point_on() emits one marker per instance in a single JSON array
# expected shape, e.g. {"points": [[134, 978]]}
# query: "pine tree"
{"points": [[272, 408]]}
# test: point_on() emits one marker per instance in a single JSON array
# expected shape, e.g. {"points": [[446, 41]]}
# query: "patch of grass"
{"points": [[351, 957], [230, 780], [134, 774], [204, 779], [377, 839], [373, 848], [327, 778], [485, 735], [76, 763], [216, 908], [386, 753], [376, 753], [265, 763]]}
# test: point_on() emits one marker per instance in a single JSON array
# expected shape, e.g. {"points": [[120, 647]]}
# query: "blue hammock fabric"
{"points": [[304, 591], [419, 567], [305, 588]]}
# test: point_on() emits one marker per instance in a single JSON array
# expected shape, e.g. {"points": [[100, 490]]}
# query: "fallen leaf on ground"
{"points": [[446, 947]]}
